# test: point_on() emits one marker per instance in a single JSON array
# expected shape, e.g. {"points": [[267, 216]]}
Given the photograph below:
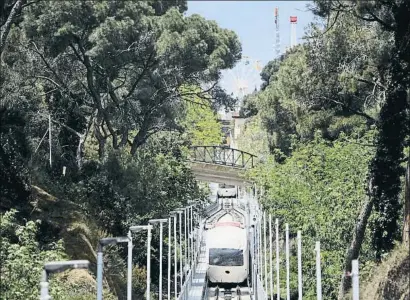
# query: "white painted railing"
{"points": [[186, 286]]}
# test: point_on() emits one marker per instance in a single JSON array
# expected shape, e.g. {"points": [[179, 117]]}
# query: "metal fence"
{"points": [[186, 286]]}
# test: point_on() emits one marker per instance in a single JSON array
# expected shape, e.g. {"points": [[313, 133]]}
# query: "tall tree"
{"points": [[121, 64], [393, 122]]}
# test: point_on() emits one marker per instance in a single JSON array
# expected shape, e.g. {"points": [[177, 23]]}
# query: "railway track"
{"points": [[220, 293]]}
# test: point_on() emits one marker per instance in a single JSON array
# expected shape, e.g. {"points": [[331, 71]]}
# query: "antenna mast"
{"points": [[277, 42], [293, 22]]}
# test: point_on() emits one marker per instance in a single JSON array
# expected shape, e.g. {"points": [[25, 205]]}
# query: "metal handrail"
{"points": [[186, 287], [222, 156], [222, 147]]}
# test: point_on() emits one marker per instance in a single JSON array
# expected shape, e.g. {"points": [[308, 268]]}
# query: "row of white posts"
{"points": [[263, 251], [185, 241]]}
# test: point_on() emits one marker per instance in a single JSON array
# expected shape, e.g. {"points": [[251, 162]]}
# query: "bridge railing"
{"points": [[222, 156]]}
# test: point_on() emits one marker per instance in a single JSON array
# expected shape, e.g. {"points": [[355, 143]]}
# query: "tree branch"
{"points": [[359, 113], [95, 94], [5, 29], [372, 82], [50, 80], [144, 70], [375, 19]]}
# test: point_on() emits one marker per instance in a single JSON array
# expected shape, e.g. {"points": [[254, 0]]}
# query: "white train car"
{"points": [[228, 253], [226, 191]]}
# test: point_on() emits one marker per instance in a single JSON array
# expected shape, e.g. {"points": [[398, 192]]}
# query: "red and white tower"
{"points": [[293, 22]]}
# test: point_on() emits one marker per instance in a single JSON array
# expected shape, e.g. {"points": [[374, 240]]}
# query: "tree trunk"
{"points": [[10, 21], [358, 237]]}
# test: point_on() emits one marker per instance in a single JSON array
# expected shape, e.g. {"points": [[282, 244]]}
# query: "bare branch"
{"points": [[50, 80]]}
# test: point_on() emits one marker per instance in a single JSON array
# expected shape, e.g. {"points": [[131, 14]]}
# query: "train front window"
{"points": [[226, 186], [225, 257]]}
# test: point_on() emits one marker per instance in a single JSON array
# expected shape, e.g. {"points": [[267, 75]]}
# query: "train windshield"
{"points": [[226, 186], [225, 257]]}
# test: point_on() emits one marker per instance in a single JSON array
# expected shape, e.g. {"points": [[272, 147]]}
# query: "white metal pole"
{"points": [[175, 259], [149, 263], [169, 257], [265, 250], [129, 269], [185, 237], [277, 259], [254, 261], [197, 237], [300, 283], [287, 262], [100, 266], [160, 261], [270, 256], [49, 137], [44, 286], [189, 236], [260, 247], [355, 279], [318, 273], [180, 250], [192, 235]]}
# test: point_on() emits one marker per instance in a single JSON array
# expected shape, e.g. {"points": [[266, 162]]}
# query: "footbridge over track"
{"points": [[221, 164]]}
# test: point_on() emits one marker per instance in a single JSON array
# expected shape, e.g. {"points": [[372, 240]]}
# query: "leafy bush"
{"points": [[319, 190], [22, 258]]}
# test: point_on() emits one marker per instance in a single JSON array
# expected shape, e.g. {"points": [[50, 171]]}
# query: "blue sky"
{"points": [[254, 23]]}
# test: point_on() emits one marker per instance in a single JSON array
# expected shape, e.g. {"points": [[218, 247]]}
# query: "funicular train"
{"points": [[226, 191], [228, 253], [227, 242]]}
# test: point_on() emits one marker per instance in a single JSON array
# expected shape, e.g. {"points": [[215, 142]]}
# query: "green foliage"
{"points": [[344, 81], [127, 190], [14, 153], [268, 71], [387, 65], [327, 84], [111, 74], [319, 190], [200, 122], [22, 259], [253, 140], [125, 62]]}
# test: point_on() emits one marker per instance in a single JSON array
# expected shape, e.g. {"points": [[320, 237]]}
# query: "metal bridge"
{"points": [[221, 164], [220, 155]]}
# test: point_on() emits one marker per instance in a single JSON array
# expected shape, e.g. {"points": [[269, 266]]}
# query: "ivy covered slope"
{"points": [[331, 128], [120, 81]]}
